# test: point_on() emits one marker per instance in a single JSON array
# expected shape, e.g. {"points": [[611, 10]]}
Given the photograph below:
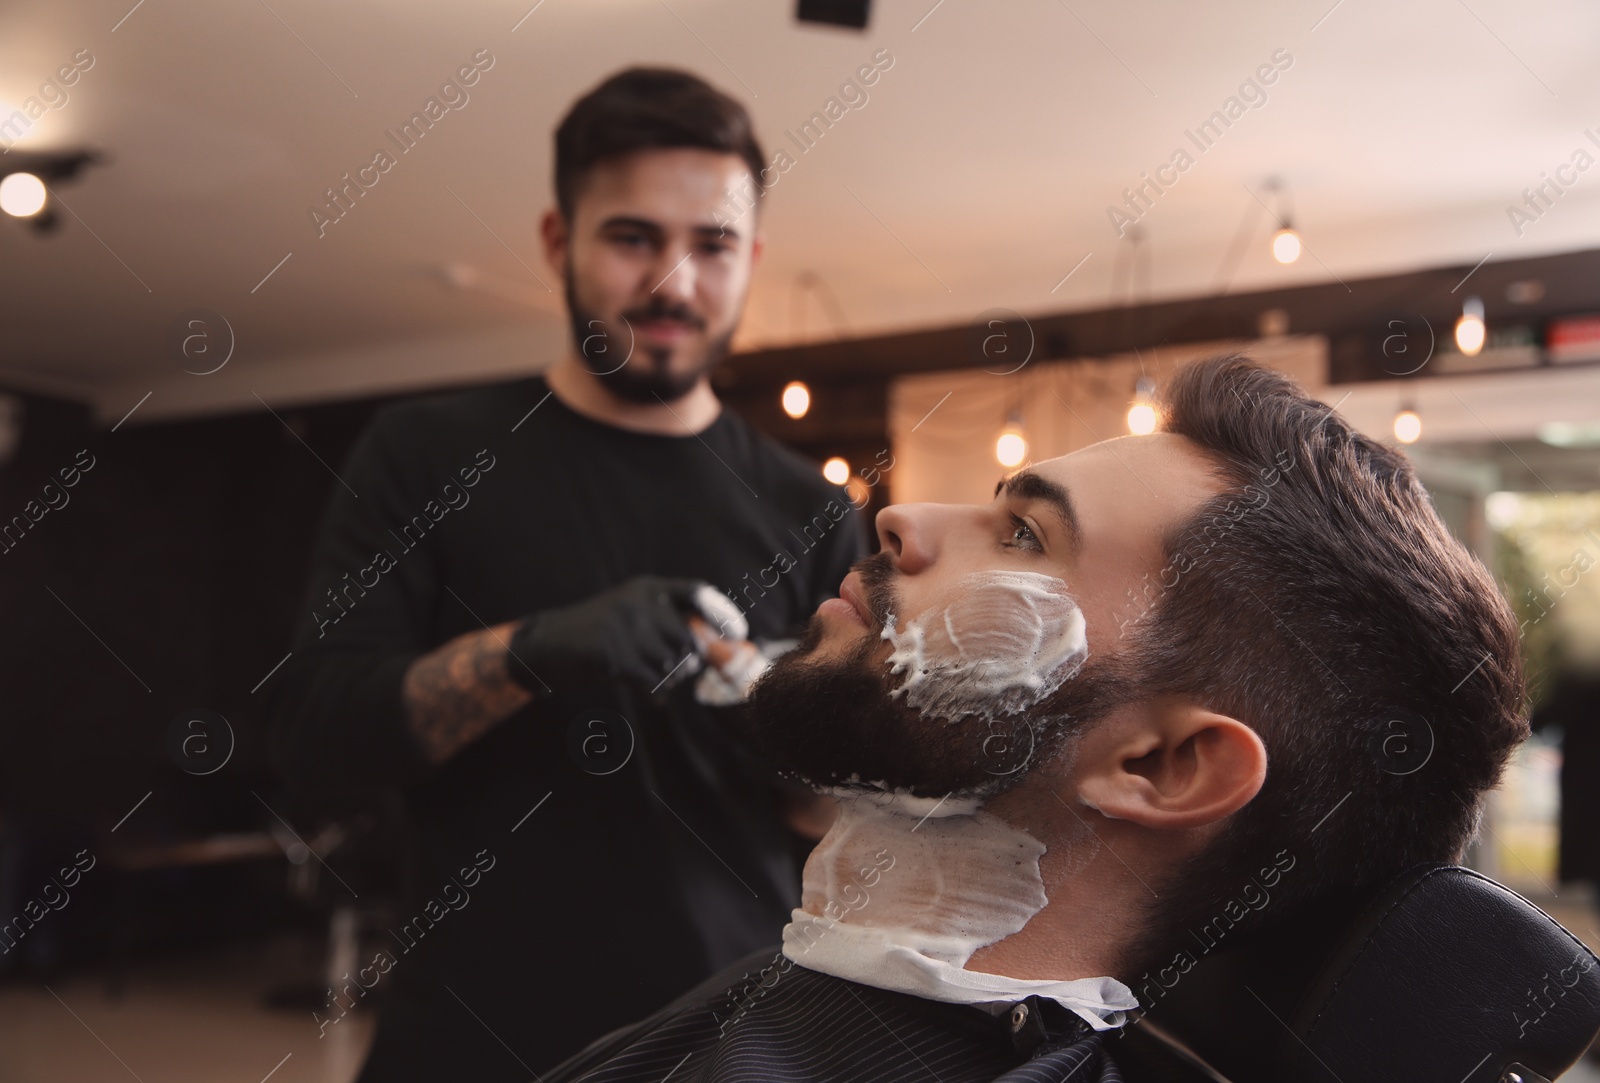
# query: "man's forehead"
{"points": [[1161, 468], [680, 177]]}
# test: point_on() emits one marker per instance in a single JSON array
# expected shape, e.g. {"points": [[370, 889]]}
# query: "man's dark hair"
{"points": [[643, 109], [1320, 600]]}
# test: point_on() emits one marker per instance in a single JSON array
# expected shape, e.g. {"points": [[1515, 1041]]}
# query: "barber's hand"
{"points": [[635, 631]]}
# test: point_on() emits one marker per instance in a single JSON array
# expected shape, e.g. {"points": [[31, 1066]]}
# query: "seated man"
{"points": [[1069, 728]]}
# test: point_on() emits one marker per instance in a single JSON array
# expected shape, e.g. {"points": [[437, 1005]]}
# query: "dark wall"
{"points": [[166, 580]]}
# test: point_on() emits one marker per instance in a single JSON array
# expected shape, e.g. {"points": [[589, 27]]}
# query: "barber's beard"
{"points": [[647, 374], [833, 721]]}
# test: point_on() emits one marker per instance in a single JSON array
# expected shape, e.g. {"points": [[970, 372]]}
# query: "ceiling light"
{"points": [[22, 195], [1407, 426], [851, 13], [1286, 244], [1470, 329], [796, 399], [836, 470], [27, 178], [1011, 446], [1142, 416], [1502, 508]]}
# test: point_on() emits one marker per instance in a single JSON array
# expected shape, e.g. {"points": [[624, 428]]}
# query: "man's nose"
{"points": [[675, 274], [910, 534]]}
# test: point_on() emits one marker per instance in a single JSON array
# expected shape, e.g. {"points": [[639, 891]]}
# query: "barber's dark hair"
{"points": [[1320, 600], [649, 108]]}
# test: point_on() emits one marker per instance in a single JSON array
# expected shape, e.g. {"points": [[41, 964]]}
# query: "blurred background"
{"points": [[994, 253]]}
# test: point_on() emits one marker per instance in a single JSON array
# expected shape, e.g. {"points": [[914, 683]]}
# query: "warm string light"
{"points": [[1407, 426], [836, 470], [22, 194], [1011, 446], [1286, 244], [1471, 332], [1010, 449], [796, 399], [1142, 416]]}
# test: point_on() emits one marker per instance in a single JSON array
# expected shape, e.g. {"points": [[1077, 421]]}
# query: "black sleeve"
{"points": [[334, 710]]}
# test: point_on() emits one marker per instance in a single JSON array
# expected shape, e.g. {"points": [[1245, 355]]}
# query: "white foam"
{"points": [[721, 610], [956, 879], [902, 891], [999, 642]]}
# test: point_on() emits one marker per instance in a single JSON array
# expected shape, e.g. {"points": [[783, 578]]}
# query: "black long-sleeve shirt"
{"points": [[641, 871]]}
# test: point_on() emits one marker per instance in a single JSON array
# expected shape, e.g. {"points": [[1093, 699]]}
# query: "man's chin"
{"points": [[647, 379], [660, 373], [833, 722]]}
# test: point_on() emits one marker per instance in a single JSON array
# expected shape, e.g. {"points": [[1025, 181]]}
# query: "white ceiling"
{"points": [[977, 175]]}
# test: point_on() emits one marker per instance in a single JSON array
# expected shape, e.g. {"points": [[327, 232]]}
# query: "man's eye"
{"points": [[1022, 536], [632, 240]]}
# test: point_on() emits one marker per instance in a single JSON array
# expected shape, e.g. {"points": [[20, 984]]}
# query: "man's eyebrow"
{"points": [[624, 221], [645, 225], [718, 231], [1026, 485]]}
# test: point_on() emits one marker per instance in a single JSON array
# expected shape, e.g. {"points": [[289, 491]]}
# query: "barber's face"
{"points": [[825, 709], [655, 284]]}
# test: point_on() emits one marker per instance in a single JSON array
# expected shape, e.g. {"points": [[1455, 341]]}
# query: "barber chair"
{"points": [[1443, 975]]}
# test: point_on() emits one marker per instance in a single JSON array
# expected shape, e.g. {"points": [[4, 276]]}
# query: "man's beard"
{"points": [[834, 722], [630, 372]]}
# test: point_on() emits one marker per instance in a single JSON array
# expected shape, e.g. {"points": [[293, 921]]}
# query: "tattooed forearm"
{"points": [[459, 692]]}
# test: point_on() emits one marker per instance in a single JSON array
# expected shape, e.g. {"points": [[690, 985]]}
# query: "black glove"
{"points": [[635, 631]]}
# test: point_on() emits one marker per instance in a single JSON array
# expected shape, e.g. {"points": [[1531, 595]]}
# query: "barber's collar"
{"points": [[870, 956]]}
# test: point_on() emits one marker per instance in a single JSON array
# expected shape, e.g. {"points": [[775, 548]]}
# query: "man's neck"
{"points": [[971, 888], [1097, 899], [583, 393]]}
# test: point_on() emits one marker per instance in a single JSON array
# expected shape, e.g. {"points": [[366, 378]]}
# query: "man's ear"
{"points": [[1170, 765], [557, 240]]}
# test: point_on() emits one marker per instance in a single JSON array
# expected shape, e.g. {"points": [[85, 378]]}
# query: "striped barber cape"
{"points": [[769, 1020]]}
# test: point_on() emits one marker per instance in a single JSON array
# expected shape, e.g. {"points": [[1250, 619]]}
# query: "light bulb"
{"points": [[1470, 329], [1286, 245], [796, 399], [836, 470], [1011, 448], [1502, 509], [1407, 426], [1141, 419], [1142, 416], [22, 194]]}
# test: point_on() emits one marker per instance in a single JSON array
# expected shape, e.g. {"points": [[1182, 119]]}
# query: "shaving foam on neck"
{"points": [[950, 879], [1002, 642], [902, 891]]}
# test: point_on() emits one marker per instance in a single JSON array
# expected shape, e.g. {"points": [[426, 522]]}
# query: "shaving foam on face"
{"points": [[1003, 641]]}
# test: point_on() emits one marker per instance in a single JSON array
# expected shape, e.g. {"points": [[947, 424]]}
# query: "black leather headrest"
{"points": [[1444, 975]]}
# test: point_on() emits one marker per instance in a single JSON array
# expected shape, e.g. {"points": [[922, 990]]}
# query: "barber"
{"points": [[529, 603]]}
